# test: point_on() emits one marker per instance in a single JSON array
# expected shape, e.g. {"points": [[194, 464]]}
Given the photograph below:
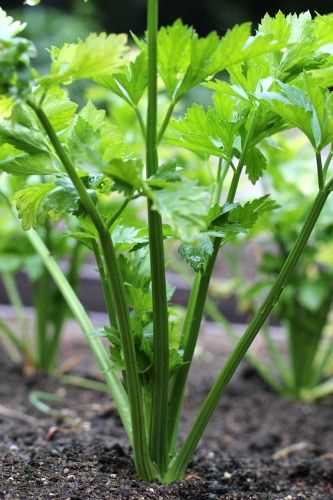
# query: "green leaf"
{"points": [[174, 54], [127, 239], [196, 254], [284, 28], [304, 48], [256, 164], [291, 104], [167, 172], [59, 109], [307, 107], [238, 45], [29, 202], [202, 132], [203, 63], [96, 146], [28, 165], [239, 219], [322, 77], [23, 138], [211, 132], [305, 42], [61, 201], [97, 58], [127, 173], [323, 28], [248, 214], [184, 206], [210, 55], [93, 116], [85, 139], [131, 83]]}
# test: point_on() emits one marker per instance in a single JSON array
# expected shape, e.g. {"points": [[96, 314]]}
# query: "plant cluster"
{"points": [[261, 85]]}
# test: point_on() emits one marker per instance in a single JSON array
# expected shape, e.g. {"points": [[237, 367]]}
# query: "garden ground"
{"points": [[257, 447]]}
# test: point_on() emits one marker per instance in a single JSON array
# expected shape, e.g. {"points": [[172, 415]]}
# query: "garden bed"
{"points": [[257, 446]]}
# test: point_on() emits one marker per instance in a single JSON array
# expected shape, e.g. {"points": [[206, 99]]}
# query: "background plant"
{"points": [[305, 308], [275, 80], [35, 346]]}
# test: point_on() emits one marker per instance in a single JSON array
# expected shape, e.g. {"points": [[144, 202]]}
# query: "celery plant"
{"points": [[35, 346], [302, 371], [277, 80]]}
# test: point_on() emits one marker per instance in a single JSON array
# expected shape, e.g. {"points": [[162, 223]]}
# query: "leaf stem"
{"points": [[14, 294], [159, 411], [13, 338], [105, 285], [143, 463], [78, 311], [190, 333], [166, 120], [328, 161], [42, 307], [222, 171], [140, 121], [120, 210], [320, 173], [181, 461], [192, 323]]}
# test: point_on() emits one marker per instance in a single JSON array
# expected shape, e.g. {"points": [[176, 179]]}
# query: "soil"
{"points": [[257, 447]]}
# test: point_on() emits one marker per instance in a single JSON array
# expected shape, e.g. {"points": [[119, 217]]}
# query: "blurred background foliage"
{"points": [[57, 21], [126, 15]]}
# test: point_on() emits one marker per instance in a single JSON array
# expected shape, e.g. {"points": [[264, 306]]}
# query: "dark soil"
{"points": [[258, 446]]}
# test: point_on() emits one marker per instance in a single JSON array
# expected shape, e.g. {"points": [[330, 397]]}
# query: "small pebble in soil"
{"points": [[52, 432]]}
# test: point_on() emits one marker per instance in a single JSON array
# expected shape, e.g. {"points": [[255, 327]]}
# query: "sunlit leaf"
{"points": [[131, 83], [29, 203], [96, 58]]}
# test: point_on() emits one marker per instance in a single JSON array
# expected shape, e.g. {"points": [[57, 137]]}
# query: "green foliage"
{"points": [[29, 203], [234, 220], [131, 83], [256, 164], [27, 165], [304, 308], [204, 132], [59, 108], [97, 58], [22, 138], [307, 107], [183, 206], [127, 174], [197, 254], [85, 165], [185, 60]]}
